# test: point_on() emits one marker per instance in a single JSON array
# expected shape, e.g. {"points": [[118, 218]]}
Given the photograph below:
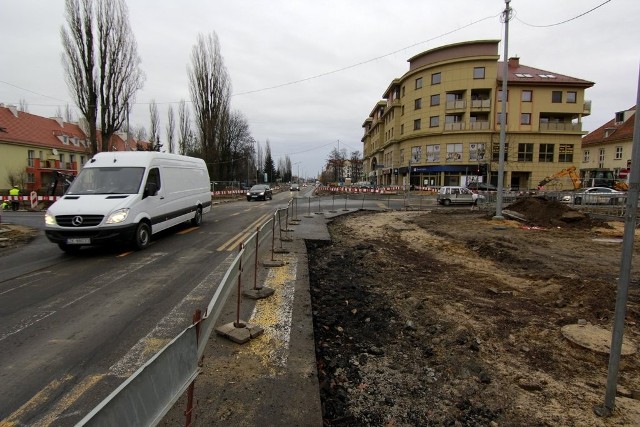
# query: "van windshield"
{"points": [[107, 181]]}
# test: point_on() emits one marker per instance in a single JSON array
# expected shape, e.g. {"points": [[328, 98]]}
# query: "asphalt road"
{"points": [[74, 327]]}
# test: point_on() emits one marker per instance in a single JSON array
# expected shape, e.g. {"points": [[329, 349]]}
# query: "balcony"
{"points": [[459, 104], [480, 104], [454, 126], [586, 109], [479, 125], [560, 127]]}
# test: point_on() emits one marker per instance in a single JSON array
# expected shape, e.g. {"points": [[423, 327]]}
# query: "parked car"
{"points": [[295, 187], [481, 186], [596, 196], [259, 192], [448, 195]]}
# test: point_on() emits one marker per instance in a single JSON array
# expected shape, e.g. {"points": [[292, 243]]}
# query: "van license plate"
{"points": [[79, 241]]}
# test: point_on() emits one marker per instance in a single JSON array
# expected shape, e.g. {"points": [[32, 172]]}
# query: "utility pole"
{"points": [[503, 115]]}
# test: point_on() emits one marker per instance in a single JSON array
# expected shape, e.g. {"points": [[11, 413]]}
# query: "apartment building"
{"points": [[607, 150], [34, 148], [439, 124]]}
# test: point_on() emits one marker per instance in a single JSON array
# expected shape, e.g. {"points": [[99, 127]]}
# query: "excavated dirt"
{"points": [[452, 318], [13, 235]]}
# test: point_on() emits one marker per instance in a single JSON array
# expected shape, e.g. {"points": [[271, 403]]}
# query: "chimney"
{"points": [[514, 62]]}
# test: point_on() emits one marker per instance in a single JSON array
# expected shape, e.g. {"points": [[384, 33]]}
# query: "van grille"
{"points": [[87, 220]]}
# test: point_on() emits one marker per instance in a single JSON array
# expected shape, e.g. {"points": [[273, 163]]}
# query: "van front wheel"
{"points": [[142, 237], [197, 218]]}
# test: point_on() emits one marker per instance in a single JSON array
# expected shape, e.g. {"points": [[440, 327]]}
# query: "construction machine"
{"points": [[570, 172]]}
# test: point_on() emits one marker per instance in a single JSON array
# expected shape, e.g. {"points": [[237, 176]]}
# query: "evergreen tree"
{"points": [[269, 166]]}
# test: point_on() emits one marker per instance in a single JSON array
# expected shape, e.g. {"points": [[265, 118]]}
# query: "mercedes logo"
{"points": [[77, 221]]}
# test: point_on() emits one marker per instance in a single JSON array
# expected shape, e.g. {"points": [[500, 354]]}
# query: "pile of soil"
{"points": [[443, 318], [542, 212]]}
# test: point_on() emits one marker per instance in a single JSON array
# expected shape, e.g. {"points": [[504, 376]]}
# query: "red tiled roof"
{"points": [[616, 131], [519, 73], [40, 131], [36, 130]]}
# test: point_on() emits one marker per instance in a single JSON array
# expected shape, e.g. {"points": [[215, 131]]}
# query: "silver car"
{"points": [[598, 196]]}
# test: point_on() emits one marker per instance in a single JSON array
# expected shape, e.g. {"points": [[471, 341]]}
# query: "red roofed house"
{"points": [[34, 148], [609, 147]]}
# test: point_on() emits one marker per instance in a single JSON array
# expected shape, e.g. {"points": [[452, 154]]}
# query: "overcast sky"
{"points": [[306, 74]]}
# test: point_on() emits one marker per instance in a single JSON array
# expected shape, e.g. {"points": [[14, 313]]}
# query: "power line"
{"points": [[566, 20]]}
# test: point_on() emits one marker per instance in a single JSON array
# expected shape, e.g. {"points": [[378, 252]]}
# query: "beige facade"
{"points": [[609, 147], [439, 124]]}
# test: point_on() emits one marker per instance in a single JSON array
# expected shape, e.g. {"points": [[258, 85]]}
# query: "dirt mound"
{"points": [[542, 212]]}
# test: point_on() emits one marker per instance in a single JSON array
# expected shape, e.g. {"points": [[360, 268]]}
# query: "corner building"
{"points": [[439, 124]]}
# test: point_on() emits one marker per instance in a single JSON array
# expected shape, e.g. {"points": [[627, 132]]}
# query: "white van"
{"points": [[127, 197]]}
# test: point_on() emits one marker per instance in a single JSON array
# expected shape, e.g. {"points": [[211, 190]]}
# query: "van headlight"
{"points": [[117, 217], [49, 219]]}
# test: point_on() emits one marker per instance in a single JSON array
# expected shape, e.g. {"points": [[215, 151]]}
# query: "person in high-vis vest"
{"points": [[15, 203]]}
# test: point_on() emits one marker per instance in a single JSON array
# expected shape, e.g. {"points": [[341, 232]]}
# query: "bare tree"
{"points": [[184, 128], [154, 138], [106, 84], [78, 61], [210, 90], [119, 66], [171, 128]]}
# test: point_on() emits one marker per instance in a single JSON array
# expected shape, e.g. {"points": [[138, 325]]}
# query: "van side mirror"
{"points": [[151, 189]]}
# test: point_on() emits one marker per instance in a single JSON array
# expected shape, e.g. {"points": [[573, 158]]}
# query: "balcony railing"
{"points": [[459, 104], [481, 104], [560, 127], [479, 125], [454, 126]]}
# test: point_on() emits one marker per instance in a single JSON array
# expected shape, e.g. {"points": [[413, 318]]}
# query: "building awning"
{"points": [[444, 168]]}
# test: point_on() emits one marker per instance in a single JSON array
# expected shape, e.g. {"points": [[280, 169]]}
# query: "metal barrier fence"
{"points": [[146, 397]]}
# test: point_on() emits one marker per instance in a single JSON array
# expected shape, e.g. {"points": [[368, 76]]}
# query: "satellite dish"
{"points": [[54, 151]]}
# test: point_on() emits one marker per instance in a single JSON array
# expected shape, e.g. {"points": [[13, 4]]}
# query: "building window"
{"points": [[454, 152], [478, 72], [403, 90], [525, 118], [31, 178], [402, 129], [572, 97], [416, 154], [434, 121], [416, 124], [433, 153], [418, 103], [419, 83], [495, 151], [72, 158], [31, 154], [585, 156], [436, 78], [565, 153], [500, 118], [556, 96], [435, 99], [476, 152], [527, 95], [618, 153], [546, 153], [500, 95], [402, 111], [601, 156], [525, 152]]}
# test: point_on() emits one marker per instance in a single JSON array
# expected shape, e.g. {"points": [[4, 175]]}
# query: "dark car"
{"points": [[259, 192], [481, 186]]}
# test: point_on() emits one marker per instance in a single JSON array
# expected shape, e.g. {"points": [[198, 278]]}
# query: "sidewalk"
{"points": [[272, 379]]}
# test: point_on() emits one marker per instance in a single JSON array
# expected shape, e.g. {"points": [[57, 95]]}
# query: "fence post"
{"points": [[333, 203], [197, 317], [346, 197]]}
